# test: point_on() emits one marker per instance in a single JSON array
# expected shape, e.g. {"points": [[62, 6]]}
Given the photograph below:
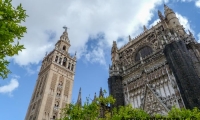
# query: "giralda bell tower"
{"points": [[53, 89]]}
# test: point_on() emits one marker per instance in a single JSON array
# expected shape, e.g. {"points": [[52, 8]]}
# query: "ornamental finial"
{"points": [[65, 28]]}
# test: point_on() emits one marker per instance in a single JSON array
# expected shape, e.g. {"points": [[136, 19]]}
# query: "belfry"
{"points": [[53, 89]]}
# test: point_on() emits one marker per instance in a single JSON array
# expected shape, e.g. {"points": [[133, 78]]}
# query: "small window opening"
{"points": [[34, 118], [64, 61], [60, 60], [58, 93], [56, 59], [64, 47], [37, 94], [31, 117], [54, 117], [72, 67], [33, 106], [60, 83], [57, 104], [69, 65]]}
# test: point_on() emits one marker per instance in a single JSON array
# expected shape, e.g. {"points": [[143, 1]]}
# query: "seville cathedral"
{"points": [[155, 71], [53, 89], [158, 69]]}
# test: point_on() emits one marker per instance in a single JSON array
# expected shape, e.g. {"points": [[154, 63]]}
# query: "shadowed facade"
{"points": [[158, 69]]}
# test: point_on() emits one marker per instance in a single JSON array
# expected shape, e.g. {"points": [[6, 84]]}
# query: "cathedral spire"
{"points": [[145, 28], [129, 38], [160, 15], [101, 92], [94, 97], [167, 10], [165, 7], [79, 101], [114, 52], [190, 33]]}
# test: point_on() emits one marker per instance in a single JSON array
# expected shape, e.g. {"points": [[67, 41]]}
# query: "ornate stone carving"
{"points": [[152, 103], [137, 71], [48, 104], [53, 81], [67, 87]]}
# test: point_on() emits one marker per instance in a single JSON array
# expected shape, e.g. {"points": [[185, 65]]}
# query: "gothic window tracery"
{"points": [[143, 52]]}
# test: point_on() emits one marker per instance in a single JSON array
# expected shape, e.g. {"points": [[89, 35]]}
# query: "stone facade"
{"points": [[53, 88], [158, 69]]}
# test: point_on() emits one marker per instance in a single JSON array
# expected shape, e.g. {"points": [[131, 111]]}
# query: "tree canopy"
{"points": [[93, 111], [11, 31]]}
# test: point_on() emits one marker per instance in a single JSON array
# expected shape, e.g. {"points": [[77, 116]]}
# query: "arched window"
{"points": [[60, 83], [57, 104], [72, 68], [60, 60], [143, 52], [64, 47], [58, 93], [56, 59], [64, 61], [69, 65]]}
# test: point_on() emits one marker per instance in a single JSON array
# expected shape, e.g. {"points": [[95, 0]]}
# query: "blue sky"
{"points": [[93, 27]]}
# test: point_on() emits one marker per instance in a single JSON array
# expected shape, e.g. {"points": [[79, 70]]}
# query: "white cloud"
{"points": [[186, 0], [197, 3], [15, 76], [84, 18], [198, 38], [9, 88], [184, 21], [29, 70], [97, 54]]}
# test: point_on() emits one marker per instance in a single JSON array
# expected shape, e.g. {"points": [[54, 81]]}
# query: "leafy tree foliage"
{"points": [[11, 31], [184, 114], [92, 111], [89, 111], [100, 109]]}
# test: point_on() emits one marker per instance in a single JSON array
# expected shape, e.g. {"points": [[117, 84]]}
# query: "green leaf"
{"points": [[10, 29]]}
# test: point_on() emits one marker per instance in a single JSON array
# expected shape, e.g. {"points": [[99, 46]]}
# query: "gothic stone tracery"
{"points": [[148, 77]]}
